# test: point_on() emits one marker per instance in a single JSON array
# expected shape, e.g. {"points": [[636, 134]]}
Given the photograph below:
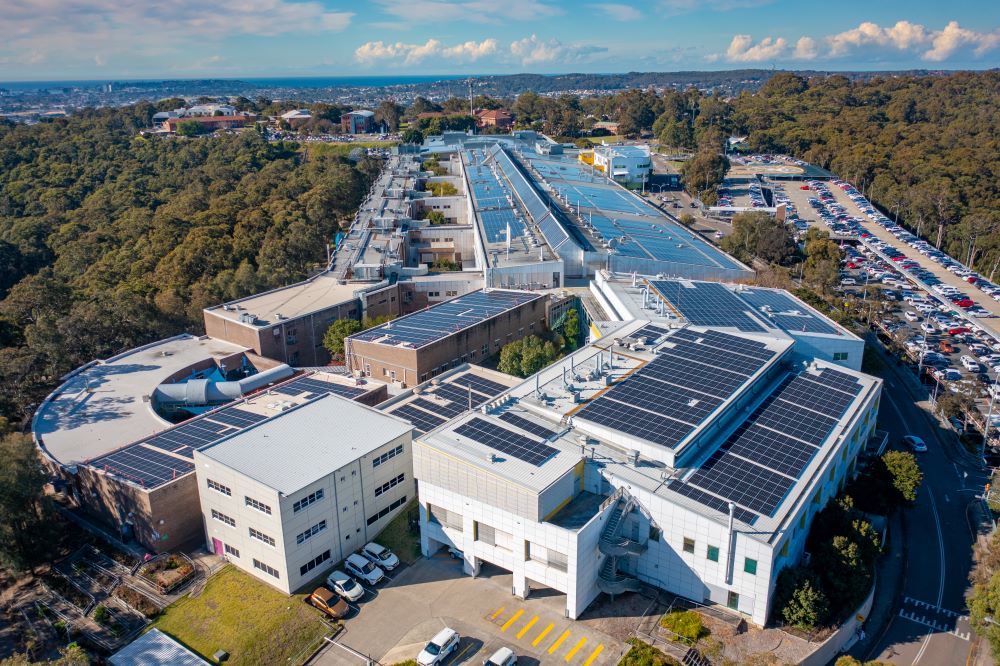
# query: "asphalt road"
{"points": [[930, 625]]}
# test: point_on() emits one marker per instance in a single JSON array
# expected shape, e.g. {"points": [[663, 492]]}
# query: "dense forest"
{"points": [[109, 239]]}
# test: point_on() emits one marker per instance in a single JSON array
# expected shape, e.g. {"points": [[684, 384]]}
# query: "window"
{"points": [[314, 562], [223, 518], [713, 553], [219, 488], [260, 536], [750, 566], [839, 356], [231, 551], [387, 510], [271, 571], [254, 504], [309, 533], [391, 483], [733, 601], [688, 545], [307, 500], [398, 451]]}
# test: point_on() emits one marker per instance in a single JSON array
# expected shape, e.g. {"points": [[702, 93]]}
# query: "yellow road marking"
{"points": [[593, 655], [527, 626], [496, 612], [559, 641], [576, 648], [512, 620], [454, 660], [542, 635]]}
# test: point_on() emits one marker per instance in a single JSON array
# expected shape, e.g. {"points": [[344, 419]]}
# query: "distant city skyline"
{"points": [[108, 39]]}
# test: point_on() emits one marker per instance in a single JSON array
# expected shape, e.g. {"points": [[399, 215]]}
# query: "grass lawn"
{"points": [[643, 654], [253, 622], [614, 138], [397, 536], [344, 149]]}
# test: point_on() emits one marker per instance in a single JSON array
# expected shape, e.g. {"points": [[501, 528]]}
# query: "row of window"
{"points": [[312, 531], [391, 483], [260, 536], [271, 571], [314, 562], [387, 510], [254, 504], [219, 488], [712, 553], [311, 498], [223, 518], [232, 551], [385, 457]]}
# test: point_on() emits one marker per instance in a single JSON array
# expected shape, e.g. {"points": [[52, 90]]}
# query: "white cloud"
{"points": [[467, 11], [618, 12], [742, 49], [954, 37], [903, 35], [806, 49], [411, 54], [533, 51], [61, 30]]}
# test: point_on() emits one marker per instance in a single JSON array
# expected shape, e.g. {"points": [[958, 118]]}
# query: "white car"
{"points": [[502, 657], [361, 568], [848, 281], [345, 586], [437, 650], [927, 328], [380, 556], [915, 443], [970, 365], [911, 316]]}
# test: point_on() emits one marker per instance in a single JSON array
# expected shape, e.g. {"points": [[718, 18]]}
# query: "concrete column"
{"points": [[425, 542], [520, 588]]}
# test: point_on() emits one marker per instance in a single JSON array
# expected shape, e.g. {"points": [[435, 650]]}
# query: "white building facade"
{"points": [[628, 165], [286, 527]]}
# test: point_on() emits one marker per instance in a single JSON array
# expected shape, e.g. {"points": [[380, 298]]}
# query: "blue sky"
{"points": [[98, 39]]}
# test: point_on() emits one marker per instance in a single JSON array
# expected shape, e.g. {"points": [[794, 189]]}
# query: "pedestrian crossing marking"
{"points": [[512, 620], [531, 622], [555, 646], [593, 655], [545, 632], [576, 648]]}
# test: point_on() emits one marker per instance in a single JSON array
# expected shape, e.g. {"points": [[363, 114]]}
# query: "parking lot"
{"points": [[395, 621]]}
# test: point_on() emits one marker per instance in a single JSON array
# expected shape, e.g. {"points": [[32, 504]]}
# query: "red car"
{"points": [[959, 330], [803, 187]]}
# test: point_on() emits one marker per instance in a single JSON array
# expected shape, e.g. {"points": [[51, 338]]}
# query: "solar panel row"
{"points": [[707, 304], [526, 425], [506, 441]]}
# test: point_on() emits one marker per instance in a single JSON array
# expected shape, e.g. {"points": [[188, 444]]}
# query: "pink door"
{"points": [[216, 546]]}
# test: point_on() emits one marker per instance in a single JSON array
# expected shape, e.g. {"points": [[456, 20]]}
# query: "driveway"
{"points": [[395, 623]]}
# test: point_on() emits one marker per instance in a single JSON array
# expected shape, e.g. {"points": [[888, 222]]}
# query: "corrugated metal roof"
{"points": [[155, 648], [290, 451]]}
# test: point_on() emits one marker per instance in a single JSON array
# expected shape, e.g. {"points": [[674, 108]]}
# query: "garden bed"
{"points": [[122, 557], [136, 600], [71, 593], [167, 572]]}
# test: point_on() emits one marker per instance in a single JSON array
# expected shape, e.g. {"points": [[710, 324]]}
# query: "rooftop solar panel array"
{"points": [[489, 434], [691, 376], [481, 384], [426, 415], [760, 462], [440, 321], [492, 201], [785, 312], [527, 425], [707, 304], [149, 462]]}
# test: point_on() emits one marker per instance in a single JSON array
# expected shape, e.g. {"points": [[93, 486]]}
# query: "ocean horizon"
{"points": [[267, 81]]}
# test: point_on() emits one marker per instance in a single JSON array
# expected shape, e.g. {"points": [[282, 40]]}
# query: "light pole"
{"points": [[989, 413]]}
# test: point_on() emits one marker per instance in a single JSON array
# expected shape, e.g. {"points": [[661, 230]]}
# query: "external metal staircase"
{"points": [[614, 545]]}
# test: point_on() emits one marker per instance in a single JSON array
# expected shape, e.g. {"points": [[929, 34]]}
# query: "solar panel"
{"points": [[779, 308], [447, 409], [421, 420], [236, 417], [840, 381], [459, 395], [707, 304], [506, 441], [720, 505], [481, 384], [526, 425], [745, 483], [147, 467]]}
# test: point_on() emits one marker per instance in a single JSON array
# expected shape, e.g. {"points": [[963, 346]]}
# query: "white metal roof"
{"points": [[306, 443], [155, 648]]}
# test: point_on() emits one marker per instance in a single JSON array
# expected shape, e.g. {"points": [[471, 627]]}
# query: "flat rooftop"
{"points": [[299, 446], [318, 293], [763, 457], [168, 455], [105, 405], [422, 328]]}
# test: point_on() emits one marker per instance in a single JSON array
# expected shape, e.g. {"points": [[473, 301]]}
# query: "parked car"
{"points": [[344, 585], [380, 556], [329, 602], [911, 316], [362, 569], [502, 657], [437, 650], [915, 443], [946, 347]]}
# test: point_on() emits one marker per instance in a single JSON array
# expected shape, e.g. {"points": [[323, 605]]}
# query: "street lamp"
{"points": [[989, 413]]}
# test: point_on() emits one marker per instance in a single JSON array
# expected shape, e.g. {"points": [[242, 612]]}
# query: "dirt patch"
{"points": [[619, 618]]}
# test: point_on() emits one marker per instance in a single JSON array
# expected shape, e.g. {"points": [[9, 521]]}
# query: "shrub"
{"points": [[643, 654], [686, 625], [101, 615], [800, 599]]}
